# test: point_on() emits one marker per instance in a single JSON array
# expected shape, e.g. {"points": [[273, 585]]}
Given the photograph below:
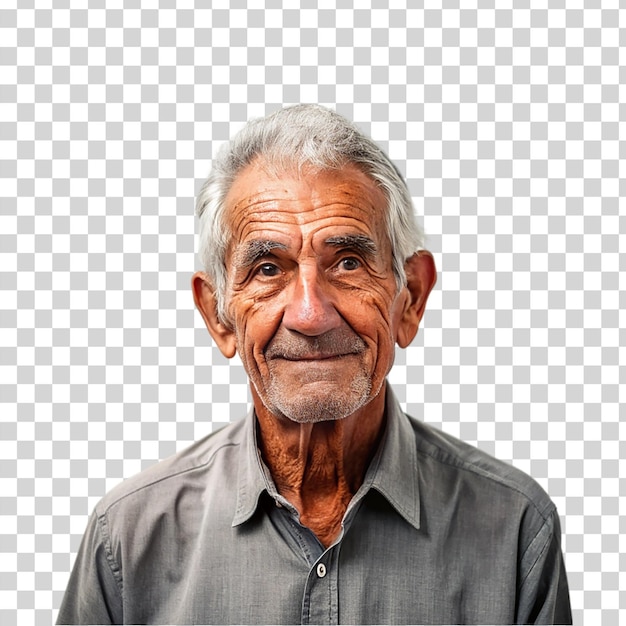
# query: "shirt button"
{"points": [[321, 570]]}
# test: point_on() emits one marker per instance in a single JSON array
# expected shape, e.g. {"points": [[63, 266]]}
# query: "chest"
{"points": [[382, 570]]}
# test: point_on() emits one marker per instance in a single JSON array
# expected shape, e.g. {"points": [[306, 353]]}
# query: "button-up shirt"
{"points": [[439, 532]]}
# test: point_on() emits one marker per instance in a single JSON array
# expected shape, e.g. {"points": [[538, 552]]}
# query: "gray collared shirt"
{"points": [[439, 532]]}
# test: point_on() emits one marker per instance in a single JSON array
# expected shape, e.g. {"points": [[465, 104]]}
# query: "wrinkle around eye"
{"points": [[363, 276], [262, 272]]}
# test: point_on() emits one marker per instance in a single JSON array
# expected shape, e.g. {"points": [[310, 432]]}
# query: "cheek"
{"points": [[374, 314], [391, 312], [397, 310], [255, 323]]}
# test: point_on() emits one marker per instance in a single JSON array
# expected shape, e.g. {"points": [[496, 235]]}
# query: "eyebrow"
{"points": [[255, 250], [360, 243]]}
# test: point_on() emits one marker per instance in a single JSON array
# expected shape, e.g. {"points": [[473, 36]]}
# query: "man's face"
{"points": [[311, 296]]}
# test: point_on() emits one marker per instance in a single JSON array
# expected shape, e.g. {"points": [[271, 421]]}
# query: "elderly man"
{"points": [[326, 504]]}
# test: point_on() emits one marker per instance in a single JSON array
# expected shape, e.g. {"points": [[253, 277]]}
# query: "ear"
{"points": [[204, 297], [421, 276]]}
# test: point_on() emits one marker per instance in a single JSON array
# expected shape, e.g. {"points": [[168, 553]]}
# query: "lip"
{"points": [[311, 358]]}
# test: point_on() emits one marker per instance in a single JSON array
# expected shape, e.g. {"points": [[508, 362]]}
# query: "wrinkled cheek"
{"points": [[252, 359], [254, 331], [385, 351]]}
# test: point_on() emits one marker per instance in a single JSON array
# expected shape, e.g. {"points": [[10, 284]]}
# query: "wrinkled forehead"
{"points": [[260, 190]]}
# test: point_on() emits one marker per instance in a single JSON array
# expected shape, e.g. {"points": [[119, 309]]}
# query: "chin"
{"points": [[319, 401]]}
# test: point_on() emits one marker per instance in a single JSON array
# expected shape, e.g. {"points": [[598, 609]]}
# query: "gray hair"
{"points": [[293, 139]]}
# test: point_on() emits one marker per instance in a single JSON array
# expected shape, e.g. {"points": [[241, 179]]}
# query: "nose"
{"points": [[310, 310]]}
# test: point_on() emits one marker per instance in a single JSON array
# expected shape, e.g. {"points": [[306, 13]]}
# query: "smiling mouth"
{"points": [[311, 357]]}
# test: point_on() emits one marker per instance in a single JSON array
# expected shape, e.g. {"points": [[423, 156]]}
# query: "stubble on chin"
{"points": [[317, 401]]}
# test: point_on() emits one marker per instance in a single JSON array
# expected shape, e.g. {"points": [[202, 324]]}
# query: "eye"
{"points": [[349, 264], [268, 269]]}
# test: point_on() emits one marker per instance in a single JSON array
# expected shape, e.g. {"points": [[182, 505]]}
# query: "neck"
{"points": [[319, 466]]}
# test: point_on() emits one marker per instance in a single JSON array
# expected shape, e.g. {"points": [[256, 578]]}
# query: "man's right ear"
{"points": [[206, 301]]}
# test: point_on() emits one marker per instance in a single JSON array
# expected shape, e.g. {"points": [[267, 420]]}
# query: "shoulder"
{"points": [[472, 501], [461, 462], [208, 455]]}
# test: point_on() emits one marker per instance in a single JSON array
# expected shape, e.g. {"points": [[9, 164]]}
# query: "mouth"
{"points": [[311, 357]]}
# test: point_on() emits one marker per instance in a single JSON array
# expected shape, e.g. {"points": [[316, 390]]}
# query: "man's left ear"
{"points": [[421, 276]]}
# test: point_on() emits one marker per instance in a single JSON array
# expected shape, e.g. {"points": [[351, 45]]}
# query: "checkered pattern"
{"points": [[509, 125]]}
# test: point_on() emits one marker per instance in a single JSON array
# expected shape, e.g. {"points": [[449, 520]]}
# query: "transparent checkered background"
{"points": [[509, 125]]}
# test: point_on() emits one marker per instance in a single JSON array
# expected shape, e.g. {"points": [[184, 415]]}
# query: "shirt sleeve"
{"points": [[544, 593], [94, 591]]}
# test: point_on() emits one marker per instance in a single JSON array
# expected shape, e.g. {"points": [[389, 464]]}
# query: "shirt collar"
{"points": [[392, 472], [251, 481]]}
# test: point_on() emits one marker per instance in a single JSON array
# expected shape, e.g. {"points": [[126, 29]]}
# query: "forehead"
{"points": [[261, 196]]}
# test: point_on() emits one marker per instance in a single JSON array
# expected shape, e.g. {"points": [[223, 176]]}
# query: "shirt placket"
{"points": [[320, 603], [320, 600]]}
